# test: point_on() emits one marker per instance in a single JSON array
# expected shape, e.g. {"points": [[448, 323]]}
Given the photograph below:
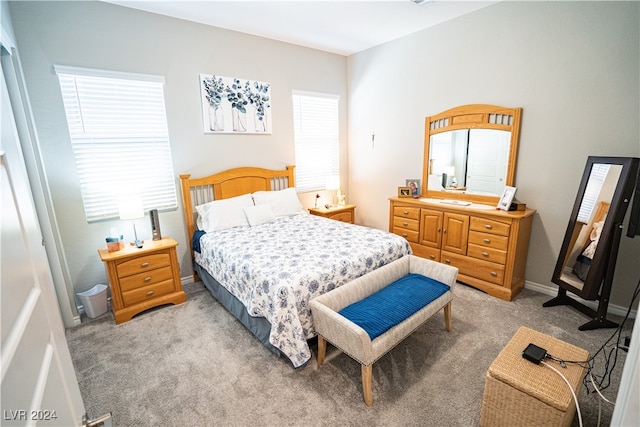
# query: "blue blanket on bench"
{"points": [[386, 308]]}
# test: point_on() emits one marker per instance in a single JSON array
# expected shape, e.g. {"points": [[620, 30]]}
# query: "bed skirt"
{"points": [[258, 326]]}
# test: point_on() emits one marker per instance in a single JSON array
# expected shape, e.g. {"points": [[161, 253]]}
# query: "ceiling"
{"points": [[342, 27]]}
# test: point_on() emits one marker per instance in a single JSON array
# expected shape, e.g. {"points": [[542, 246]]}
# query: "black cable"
{"points": [[613, 352]]}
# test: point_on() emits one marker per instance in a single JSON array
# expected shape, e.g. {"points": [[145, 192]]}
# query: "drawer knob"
{"points": [[144, 264], [405, 212], [494, 274], [149, 293], [485, 254], [147, 279], [488, 226], [404, 235], [405, 223], [486, 240], [448, 261], [432, 257]]}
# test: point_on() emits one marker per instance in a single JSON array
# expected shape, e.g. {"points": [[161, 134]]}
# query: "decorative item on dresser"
{"points": [[143, 278], [344, 213], [461, 226]]}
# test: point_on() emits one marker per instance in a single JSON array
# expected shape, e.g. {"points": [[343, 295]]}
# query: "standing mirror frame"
{"points": [[587, 258], [469, 117]]}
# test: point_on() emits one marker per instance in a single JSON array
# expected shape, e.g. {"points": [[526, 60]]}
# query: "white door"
{"points": [[39, 385]]}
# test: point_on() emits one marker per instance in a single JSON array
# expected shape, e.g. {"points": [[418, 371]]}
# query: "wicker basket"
{"points": [[520, 393]]}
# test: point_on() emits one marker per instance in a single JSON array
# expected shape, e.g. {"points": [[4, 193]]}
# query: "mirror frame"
{"points": [[472, 116], [612, 229]]}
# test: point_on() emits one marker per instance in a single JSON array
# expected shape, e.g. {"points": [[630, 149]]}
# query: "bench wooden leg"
{"points": [[447, 317], [322, 349], [367, 386]]}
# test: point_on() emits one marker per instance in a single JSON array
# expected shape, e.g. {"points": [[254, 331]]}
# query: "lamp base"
{"points": [[137, 243]]}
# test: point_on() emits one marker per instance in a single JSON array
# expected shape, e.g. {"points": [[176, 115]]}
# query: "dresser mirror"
{"points": [[586, 262], [470, 152]]}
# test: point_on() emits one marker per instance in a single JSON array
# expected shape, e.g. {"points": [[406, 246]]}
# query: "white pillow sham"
{"points": [[283, 202], [260, 214], [223, 214]]}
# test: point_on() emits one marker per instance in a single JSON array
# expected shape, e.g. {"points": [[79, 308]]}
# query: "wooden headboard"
{"points": [[226, 184]]}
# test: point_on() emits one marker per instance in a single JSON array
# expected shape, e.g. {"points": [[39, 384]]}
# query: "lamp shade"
{"points": [[131, 208], [332, 182]]}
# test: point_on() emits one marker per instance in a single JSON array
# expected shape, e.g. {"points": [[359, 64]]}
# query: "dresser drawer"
{"points": [[143, 263], [487, 254], [411, 236], [342, 216], [483, 270], [145, 278], [148, 292], [405, 212], [489, 226], [488, 240], [409, 224]]}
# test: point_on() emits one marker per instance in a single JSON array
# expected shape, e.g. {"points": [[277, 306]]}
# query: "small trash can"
{"points": [[94, 300]]}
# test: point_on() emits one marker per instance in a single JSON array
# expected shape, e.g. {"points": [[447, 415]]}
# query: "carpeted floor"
{"points": [[195, 365]]}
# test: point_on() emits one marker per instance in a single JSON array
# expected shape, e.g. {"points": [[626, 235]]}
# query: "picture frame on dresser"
{"points": [[507, 198], [414, 186], [404, 192]]}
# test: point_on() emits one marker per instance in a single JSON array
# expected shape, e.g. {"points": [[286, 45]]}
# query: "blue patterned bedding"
{"points": [[274, 269]]}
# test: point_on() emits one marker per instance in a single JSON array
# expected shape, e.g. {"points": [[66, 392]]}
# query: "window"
{"points": [[315, 121], [118, 128]]}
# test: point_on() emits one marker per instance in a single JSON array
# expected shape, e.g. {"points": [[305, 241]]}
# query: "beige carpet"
{"points": [[195, 365]]}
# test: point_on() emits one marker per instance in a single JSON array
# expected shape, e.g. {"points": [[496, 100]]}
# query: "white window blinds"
{"points": [[315, 120], [118, 128]]}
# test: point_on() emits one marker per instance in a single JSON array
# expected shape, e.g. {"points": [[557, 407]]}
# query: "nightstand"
{"points": [[143, 278], [346, 213]]}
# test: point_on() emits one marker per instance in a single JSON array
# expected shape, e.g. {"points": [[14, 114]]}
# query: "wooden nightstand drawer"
{"points": [[343, 216], [344, 213], [145, 278], [143, 263], [147, 293]]}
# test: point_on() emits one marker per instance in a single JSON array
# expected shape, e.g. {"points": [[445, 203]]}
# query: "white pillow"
{"points": [[223, 214], [283, 202], [259, 214]]}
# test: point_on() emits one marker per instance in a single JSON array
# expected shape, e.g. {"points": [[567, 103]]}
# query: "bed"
{"points": [[263, 257]]}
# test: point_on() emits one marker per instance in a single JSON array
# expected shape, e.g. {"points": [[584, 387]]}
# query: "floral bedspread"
{"points": [[274, 269]]}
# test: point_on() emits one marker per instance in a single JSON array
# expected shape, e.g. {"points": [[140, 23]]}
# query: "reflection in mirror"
{"points": [[470, 160], [587, 259], [592, 213], [470, 152]]}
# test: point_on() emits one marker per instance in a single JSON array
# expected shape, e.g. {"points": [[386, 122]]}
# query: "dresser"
{"points": [[143, 278], [488, 246], [346, 213]]}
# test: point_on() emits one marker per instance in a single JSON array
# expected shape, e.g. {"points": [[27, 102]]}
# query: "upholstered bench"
{"points": [[332, 325]]}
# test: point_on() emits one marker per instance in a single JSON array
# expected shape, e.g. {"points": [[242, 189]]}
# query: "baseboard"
{"points": [[553, 291]]}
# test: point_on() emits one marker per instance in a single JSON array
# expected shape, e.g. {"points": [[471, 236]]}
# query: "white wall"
{"points": [[105, 36], [574, 67]]}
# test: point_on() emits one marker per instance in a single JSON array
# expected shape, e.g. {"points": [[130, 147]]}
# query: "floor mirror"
{"points": [[587, 259]]}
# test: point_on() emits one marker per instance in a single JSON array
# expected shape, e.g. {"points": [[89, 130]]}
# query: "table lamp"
{"points": [[332, 183], [132, 209]]}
